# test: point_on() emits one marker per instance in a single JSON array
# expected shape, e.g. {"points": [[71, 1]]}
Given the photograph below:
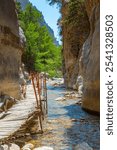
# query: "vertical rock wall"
{"points": [[75, 30], [10, 49], [81, 50], [91, 59]]}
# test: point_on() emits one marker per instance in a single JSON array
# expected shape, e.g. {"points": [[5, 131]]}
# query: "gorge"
{"points": [[80, 48], [25, 37]]}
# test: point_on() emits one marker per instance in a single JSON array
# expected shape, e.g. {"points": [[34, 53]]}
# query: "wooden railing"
{"points": [[40, 91]]}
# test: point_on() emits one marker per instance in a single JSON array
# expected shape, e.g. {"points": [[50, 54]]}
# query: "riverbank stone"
{"points": [[28, 146], [60, 99], [82, 146], [11, 146], [44, 148]]}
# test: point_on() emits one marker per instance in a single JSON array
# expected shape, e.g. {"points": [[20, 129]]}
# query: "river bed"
{"points": [[67, 124]]}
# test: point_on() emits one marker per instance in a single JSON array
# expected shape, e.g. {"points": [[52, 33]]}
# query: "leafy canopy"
{"points": [[41, 54]]}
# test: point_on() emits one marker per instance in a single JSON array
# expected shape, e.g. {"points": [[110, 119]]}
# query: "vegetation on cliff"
{"points": [[52, 2], [41, 54]]}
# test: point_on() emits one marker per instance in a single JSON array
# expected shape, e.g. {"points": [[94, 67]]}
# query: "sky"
{"points": [[51, 14]]}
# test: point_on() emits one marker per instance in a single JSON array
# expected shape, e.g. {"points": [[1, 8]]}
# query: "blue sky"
{"points": [[51, 14]]}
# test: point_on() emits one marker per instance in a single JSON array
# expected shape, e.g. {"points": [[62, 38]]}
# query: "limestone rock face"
{"points": [[75, 30], [91, 59], [81, 50], [10, 49]]}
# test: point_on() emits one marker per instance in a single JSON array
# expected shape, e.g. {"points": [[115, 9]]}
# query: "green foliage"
{"points": [[41, 54], [52, 2], [76, 10]]}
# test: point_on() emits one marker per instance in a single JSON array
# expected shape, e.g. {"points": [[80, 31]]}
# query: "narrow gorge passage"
{"points": [[67, 124], [31, 46]]}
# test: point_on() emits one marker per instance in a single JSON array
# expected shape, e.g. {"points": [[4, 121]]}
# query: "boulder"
{"points": [[11, 146], [28, 146], [82, 146], [44, 148], [14, 147], [60, 99], [5, 147], [71, 94], [6, 102], [1, 148]]}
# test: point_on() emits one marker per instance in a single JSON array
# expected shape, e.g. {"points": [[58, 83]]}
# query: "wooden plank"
{"points": [[18, 115]]}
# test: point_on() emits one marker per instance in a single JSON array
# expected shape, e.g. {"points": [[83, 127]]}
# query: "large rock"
{"points": [[91, 59], [44, 148], [11, 146], [28, 146], [10, 49], [1, 148], [82, 146], [80, 85]]}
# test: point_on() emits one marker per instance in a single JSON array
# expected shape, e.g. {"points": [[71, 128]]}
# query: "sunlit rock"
{"points": [[10, 49], [10, 146], [28, 146], [44, 148], [82, 146], [81, 51], [91, 59], [60, 99], [75, 32]]}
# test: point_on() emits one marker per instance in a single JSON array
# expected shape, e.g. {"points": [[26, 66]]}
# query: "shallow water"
{"points": [[67, 124]]}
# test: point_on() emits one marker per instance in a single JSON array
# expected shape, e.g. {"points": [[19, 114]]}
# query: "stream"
{"points": [[67, 124]]}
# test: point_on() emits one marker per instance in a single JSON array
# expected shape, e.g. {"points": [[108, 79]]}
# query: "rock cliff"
{"points": [[10, 49], [91, 59], [75, 29], [43, 22], [81, 49]]}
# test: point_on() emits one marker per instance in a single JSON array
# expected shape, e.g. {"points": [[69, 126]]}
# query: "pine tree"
{"points": [[41, 54]]}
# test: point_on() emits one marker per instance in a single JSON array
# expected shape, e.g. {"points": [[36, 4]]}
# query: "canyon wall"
{"points": [[91, 59], [81, 50], [10, 49], [75, 30]]}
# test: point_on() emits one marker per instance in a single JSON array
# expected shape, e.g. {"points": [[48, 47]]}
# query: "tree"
{"points": [[52, 2], [41, 54]]}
